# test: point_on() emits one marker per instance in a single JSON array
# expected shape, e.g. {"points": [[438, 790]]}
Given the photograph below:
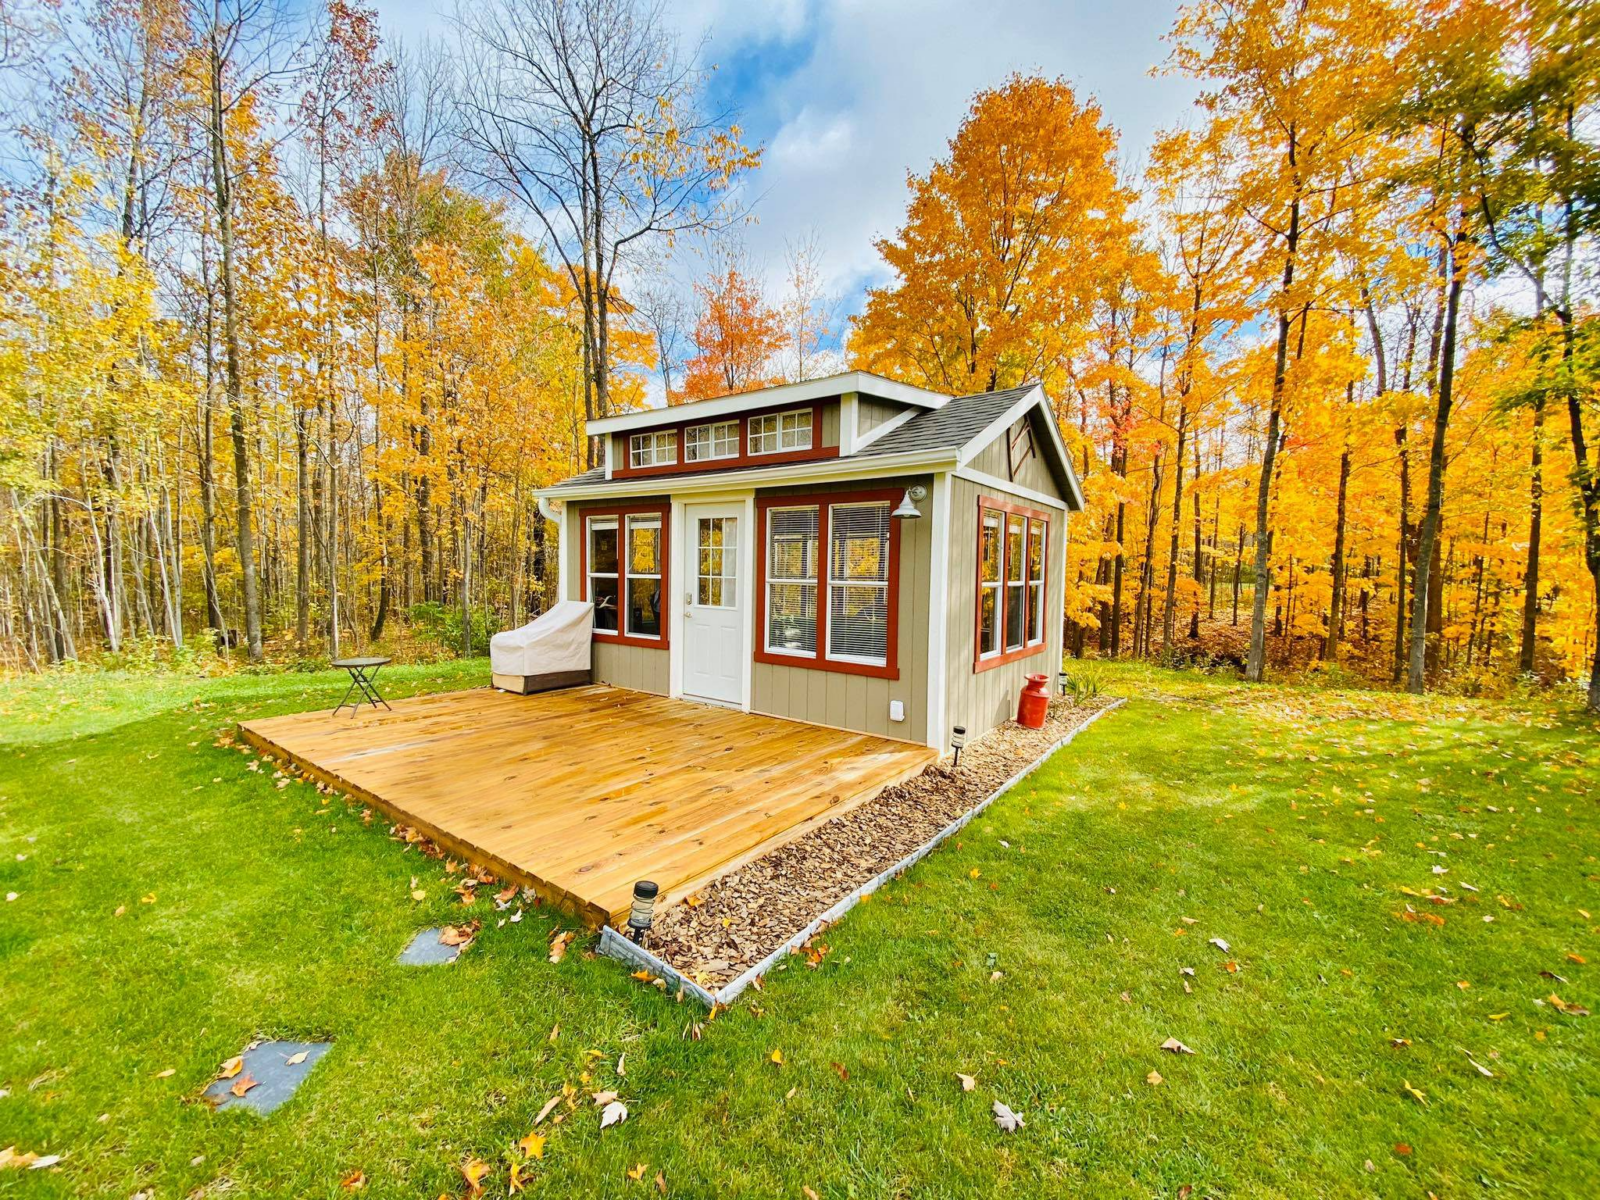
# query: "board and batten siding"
{"points": [[872, 413], [1033, 472], [639, 668], [980, 700], [861, 702]]}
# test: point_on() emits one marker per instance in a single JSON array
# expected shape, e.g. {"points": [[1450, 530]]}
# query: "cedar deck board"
{"points": [[578, 793]]}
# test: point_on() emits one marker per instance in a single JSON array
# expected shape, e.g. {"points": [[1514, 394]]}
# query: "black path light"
{"points": [[958, 739], [643, 911]]}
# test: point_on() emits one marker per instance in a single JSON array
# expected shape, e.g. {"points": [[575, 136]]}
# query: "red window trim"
{"points": [[623, 468], [980, 662], [820, 661], [622, 513]]}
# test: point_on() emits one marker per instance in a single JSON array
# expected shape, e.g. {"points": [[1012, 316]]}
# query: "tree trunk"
{"points": [[223, 196], [1530, 578], [1256, 664], [1429, 540], [1336, 603]]}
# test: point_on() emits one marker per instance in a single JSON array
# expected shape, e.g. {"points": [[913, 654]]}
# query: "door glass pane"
{"points": [[603, 546], [603, 592], [717, 561]]}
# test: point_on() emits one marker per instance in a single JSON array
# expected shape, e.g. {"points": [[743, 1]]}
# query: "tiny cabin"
{"points": [[849, 551]]}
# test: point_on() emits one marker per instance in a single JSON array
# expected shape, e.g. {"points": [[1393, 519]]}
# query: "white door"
{"points": [[714, 652]]}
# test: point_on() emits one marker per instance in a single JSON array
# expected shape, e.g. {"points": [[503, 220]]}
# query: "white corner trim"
{"points": [[747, 588], [680, 552], [995, 483], [938, 734], [849, 414], [564, 548], [610, 445], [891, 424], [614, 945]]}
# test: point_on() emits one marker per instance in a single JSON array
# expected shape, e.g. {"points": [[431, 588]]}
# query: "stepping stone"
{"points": [[276, 1078], [427, 950]]}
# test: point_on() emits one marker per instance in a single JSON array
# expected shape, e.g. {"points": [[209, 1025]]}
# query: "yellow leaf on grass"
{"points": [[532, 1146], [354, 1181], [418, 894], [515, 1180], [636, 1172], [974, 872], [1154, 1079], [473, 1171], [777, 1058], [166, 1074], [1498, 1016], [1415, 1093]]}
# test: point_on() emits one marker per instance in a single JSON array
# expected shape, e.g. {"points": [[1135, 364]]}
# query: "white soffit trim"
{"points": [[995, 483], [1035, 396], [938, 593], [788, 393], [819, 471]]}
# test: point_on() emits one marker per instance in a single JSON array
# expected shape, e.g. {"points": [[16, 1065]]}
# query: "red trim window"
{"points": [[780, 435], [1012, 544], [625, 574], [828, 583], [782, 432], [657, 449]]}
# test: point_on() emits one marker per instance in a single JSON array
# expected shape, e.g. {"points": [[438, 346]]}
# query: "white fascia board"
{"points": [[828, 470], [995, 484], [789, 393], [1035, 397]]}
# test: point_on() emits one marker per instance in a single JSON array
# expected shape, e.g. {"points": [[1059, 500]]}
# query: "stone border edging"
{"points": [[614, 945]]}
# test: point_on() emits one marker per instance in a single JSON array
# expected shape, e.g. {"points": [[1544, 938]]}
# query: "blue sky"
{"points": [[848, 96]]}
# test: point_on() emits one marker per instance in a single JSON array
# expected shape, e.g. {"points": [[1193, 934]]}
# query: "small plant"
{"points": [[1082, 688]]}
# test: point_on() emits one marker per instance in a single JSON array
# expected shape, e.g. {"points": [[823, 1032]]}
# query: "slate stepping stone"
{"points": [[276, 1077], [428, 950]]}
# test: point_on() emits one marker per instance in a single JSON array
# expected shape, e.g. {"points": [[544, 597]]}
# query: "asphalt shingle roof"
{"points": [[949, 427], [946, 428]]}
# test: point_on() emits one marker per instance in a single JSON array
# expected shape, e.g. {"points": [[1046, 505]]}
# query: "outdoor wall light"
{"points": [[643, 911], [1061, 683], [908, 503], [958, 739]]}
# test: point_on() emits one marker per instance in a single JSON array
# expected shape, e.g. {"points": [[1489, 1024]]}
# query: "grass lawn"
{"points": [[1287, 822]]}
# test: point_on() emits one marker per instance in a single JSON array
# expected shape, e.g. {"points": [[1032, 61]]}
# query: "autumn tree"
{"points": [[1005, 244], [736, 336]]}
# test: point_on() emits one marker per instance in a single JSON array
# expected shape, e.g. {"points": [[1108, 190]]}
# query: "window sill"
{"points": [[808, 662], [628, 639], [1010, 656]]}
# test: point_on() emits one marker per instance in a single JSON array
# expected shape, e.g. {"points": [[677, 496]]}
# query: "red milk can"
{"points": [[1035, 700]]}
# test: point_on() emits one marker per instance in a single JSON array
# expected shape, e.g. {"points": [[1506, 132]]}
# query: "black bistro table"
{"points": [[363, 679]]}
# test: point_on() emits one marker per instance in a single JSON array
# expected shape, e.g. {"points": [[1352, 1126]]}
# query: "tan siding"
{"points": [[1032, 473], [872, 413], [830, 423], [982, 700], [857, 701], [635, 667]]}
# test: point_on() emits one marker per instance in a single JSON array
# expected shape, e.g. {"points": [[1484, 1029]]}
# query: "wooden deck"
{"points": [[579, 793]]}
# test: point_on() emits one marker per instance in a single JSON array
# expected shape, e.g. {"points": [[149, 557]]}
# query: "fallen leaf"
{"points": [[1175, 1046], [1567, 1007], [294, 1060], [1221, 945], [613, 1114], [838, 1069], [558, 946], [170, 1071], [232, 1067], [974, 873], [637, 1171], [354, 1181], [602, 1098], [1008, 1121], [1577, 958], [661, 1183], [1416, 1094], [1153, 1079], [622, 1071], [418, 894], [473, 1171], [515, 1181], [243, 1085], [776, 1058], [808, 1193], [545, 1111], [1401, 1148], [1498, 1016], [967, 1082], [532, 1146]]}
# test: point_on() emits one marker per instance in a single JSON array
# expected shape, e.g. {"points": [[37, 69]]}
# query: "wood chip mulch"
{"points": [[768, 901]]}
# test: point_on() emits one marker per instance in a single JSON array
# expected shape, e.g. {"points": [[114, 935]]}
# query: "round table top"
{"points": [[348, 663]]}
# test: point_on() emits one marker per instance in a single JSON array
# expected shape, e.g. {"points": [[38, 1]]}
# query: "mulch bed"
{"points": [[768, 901]]}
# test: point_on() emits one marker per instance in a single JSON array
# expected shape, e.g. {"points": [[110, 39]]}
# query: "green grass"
{"points": [[1285, 821]]}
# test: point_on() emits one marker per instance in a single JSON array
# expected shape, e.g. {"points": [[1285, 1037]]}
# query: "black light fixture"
{"points": [[1061, 683], [643, 911], [958, 739]]}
